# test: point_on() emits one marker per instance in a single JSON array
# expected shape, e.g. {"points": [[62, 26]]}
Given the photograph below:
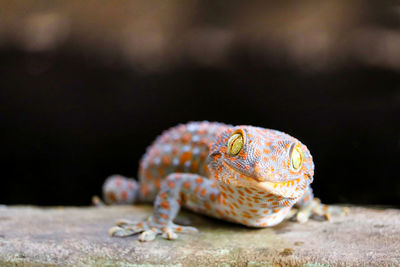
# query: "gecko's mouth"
{"points": [[283, 189]]}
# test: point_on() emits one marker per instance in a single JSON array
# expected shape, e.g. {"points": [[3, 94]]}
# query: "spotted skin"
{"points": [[191, 166]]}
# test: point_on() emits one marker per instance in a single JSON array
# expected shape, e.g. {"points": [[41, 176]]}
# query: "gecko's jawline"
{"points": [[261, 183]]}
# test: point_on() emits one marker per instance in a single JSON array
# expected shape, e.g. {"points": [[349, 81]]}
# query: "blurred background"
{"points": [[86, 86]]}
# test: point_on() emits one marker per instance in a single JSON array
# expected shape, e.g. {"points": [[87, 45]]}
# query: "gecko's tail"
{"points": [[118, 189]]}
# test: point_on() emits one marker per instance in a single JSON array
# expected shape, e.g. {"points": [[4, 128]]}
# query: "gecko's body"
{"points": [[243, 174]]}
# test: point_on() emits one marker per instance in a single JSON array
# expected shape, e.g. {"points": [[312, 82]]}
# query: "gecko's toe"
{"points": [[148, 235], [303, 216], [117, 231], [127, 228], [185, 229], [169, 234]]}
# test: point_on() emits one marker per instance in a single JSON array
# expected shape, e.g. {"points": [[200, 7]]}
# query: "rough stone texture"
{"points": [[31, 236]]}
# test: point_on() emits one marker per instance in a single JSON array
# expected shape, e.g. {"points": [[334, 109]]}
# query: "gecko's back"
{"points": [[180, 149]]}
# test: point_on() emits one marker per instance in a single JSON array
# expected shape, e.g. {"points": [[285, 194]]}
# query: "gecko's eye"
{"points": [[296, 157], [235, 143]]}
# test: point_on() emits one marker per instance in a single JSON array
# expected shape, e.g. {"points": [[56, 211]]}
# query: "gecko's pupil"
{"points": [[235, 144]]}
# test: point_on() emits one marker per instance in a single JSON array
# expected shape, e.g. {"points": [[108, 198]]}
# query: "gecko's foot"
{"points": [[97, 202], [149, 230], [316, 210]]}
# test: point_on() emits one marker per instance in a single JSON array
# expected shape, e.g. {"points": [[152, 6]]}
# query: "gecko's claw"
{"points": [[149, 230]]}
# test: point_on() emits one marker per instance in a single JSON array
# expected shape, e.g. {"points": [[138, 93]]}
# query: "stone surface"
{"points": [[31, 236]]}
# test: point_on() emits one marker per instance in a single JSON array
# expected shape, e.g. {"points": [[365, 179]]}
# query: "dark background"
{"points": [[84, 88]]}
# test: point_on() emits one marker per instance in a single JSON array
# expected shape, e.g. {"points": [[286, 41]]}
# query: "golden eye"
{"points": [[297, 157], [235, 143]]}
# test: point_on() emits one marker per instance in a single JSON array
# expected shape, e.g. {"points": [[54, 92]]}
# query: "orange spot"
{"points": [[186, 185], [199, 180], [124, 195], [246, 215], [203, 142], [164, 216], [147, 174], [178, 229], [266, 151], [213, 197], [144, 189], [223, 149], [197, 189], [205, 168], [223, 194], [171, 184], [216, 157], [207, 206], [248, 190], [241, 193], [240, 202], [166, 160], [254, 210], [111, 196], [257, 153], [233, 213], [230, 190], [220, 213], [195, 166], [140, 224], [186, 138], [118, 182], [250, 204], [203, 192], [161, 171], [165, 205], [213, 185], [203, 155], [185, 157], [276, 210], [158, 183], [236, 205], [224, 202], [274, 158]]}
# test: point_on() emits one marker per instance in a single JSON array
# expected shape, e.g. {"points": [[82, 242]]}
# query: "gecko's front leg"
{"points": [[178, 189], [311, 207]]}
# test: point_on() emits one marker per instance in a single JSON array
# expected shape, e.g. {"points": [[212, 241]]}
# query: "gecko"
{"points": [[247, 175]]}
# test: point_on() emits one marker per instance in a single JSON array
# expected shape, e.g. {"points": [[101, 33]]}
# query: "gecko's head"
{"points": [[263, 159]]}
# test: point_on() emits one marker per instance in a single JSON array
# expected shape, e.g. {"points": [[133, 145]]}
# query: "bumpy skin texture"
{"points": [[191, 166]]}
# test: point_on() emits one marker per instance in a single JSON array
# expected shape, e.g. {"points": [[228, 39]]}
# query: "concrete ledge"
{"points": [[31, 236]]}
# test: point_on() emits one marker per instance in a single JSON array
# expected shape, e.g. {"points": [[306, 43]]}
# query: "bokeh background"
{"points": [[85, 86]]}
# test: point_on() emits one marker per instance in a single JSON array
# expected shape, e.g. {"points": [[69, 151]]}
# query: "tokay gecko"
{"points": [[243, 174]]}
